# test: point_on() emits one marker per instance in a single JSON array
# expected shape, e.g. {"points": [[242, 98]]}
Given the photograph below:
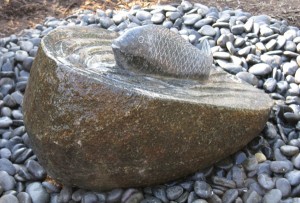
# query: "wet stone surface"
{"points": [[252, 35]]}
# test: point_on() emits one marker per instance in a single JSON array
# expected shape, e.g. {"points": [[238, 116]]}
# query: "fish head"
{"points": [[130, 42]]}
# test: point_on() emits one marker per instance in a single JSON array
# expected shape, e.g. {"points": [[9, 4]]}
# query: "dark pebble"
{"points": [[151, 200], [89, 198], [114, 196], [160, 192], [174, 192], [230, 195], [36, 170], [252, 197], [23, 197], [65, 194], [223, 182]]}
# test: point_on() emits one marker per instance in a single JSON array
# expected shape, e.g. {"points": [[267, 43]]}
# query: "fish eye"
{"points": [[141, 39]]}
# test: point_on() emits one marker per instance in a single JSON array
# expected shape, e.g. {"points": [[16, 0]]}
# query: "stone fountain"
{"points": [[97, 126]]}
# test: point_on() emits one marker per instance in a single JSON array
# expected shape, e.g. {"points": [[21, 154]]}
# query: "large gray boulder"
{"points": [[95, 126]]}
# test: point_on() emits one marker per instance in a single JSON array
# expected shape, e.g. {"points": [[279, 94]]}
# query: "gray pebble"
{"points": [[9, 101], [202, 189], [281, 166], [118, 18], [89, 198], [5, 153], [282, 87], [23, 197], [252, 197], [284, 186], [237, 29], [151, 200], [239, 42], [289, 68], [223, 182], [26, 45], [265, 181], [266, 31], [230, 196], [289, 150], [271, 45], [280, 42], [143, 15], [249, 25], [186, 5], [251, 164], [270, 86], [7, 182], [174, 15], [160, 193], [244, 51], [222, 40], [290, 34], [105, 22], [293, 177], [295, 191], [221, 55], [290, 46], [260, 47], [296, 161], [260, 69], [191, 19], [27, 63], [229, 67], [5, 122], [297, 76], [174, 192], [135, 198], [273, 196], [78, 194], [37, 193], [199, 201], [65, 194], [6, 165], [17, 114], [207, 30], [248, 77], [114, 195], [21, 55], [36, 170], [8, 199], [158, 18]]}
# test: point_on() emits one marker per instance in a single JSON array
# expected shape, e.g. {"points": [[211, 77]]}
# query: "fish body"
{"points": [[155, 49]]}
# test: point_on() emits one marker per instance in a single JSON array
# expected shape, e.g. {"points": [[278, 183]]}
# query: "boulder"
{"points": [[96, 126]]}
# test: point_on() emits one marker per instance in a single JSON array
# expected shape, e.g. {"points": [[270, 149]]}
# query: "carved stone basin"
{"points": [[98, 127]]}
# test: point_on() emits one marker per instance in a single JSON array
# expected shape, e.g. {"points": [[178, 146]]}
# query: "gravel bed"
{"points": [[258, 49]]}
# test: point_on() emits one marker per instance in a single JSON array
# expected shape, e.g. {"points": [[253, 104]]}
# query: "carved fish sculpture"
{"points": [[155, 49]]}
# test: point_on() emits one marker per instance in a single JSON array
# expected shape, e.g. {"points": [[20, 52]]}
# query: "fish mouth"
{"points": [[115, 45]]}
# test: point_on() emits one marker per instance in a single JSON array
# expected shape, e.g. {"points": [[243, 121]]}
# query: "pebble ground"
{"points": [[259, 50]]}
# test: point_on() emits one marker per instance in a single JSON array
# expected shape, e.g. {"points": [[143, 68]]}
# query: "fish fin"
{"points": [[205, 47]]}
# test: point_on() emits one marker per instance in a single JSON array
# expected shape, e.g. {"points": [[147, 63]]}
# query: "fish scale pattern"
{"points": [[172, 55]]}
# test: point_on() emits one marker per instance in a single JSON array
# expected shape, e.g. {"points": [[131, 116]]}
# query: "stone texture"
{"points": [[92, 125]]}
